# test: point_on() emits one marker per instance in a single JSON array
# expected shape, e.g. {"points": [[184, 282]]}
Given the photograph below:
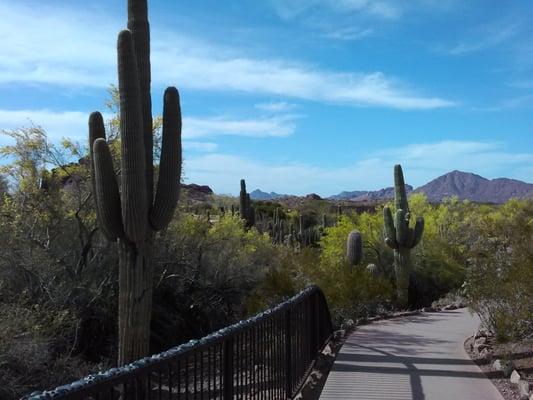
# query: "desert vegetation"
{"points": [[90, 260], [59, 274]]}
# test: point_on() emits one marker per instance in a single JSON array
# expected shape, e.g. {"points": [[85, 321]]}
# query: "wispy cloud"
{"points": [[73, 124], [484, 38], [379, 8], [349, 34], [277, 107], [512, 103], [422, 162], [277, 126], [62, 47]]}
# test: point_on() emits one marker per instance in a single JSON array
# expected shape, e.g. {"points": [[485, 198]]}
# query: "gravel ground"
{"points": [[521, 354]]}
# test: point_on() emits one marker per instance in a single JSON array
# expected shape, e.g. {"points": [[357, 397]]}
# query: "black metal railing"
{"points": [[265, 357]]}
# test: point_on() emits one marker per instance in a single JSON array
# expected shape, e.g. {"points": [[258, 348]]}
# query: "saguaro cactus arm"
{"points": [[354, 247], [390, 230], [106, 191], [400, 195], [418, 231], [133, 164], [168, 183]]}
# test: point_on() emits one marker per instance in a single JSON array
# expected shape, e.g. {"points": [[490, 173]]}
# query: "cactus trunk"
{"points": [[135, 301], [402, 271]]}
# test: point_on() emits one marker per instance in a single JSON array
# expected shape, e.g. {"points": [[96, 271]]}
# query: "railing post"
{"points": [[227, 373], [288, 354], [313, 326]]}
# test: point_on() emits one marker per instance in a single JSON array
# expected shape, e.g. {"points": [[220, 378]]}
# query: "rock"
{"points": [[449, 307], [428, 309], [485, 353], [338, 335], [523, 389], [348, 325], [481, 333], [497, 365], [480, 344], [515, 377]]}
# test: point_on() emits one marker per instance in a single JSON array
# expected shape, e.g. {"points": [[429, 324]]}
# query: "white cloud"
{"points": [[264, 127], [62, 47], [74, 124], [422, 162], [484, 38], [71, 124], [279, 106]]}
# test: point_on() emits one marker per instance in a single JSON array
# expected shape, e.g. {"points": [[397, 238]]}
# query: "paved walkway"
{"points": [[413, 358]]}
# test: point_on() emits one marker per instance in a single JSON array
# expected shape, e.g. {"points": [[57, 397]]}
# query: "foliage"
{"points": [[500, 275]]}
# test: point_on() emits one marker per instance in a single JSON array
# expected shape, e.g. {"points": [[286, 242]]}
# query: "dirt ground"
{"points": [[521, 355]]}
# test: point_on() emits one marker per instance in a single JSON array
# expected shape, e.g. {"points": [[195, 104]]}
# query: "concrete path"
{"points": [[413, 358]]}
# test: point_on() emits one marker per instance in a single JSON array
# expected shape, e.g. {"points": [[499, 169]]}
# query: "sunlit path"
{"points": [[413, 358]]}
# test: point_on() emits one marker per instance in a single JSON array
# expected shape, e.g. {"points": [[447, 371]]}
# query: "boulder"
{"points": [[515, 377], [497, 365]]}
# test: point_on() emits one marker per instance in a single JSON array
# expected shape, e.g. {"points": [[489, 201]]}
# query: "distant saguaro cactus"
{"points": [[246, 209], [400, 237], [132, 215], [354, 247]]}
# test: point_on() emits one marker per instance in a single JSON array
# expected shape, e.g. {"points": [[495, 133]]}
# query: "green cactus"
{"points": [[132, 215], [400, 237], [354, 248], [246, 209]]}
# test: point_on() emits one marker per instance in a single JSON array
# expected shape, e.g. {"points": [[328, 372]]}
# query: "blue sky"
{"points": [[296, 96]]}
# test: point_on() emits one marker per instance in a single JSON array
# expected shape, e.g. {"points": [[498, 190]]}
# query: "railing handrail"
{"points": [[148, 364]]}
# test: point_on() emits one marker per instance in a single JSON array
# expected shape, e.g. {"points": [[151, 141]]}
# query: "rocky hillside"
{"points": [[258, 194], [473, 187], [375, 195]]}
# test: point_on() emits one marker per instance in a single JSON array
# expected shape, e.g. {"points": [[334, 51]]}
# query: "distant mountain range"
{"points": [[260, 195], [361, 195], [473, 187], [464, 185]]}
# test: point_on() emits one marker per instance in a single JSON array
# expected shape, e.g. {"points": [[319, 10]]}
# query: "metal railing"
{"points": [[265, 357]]}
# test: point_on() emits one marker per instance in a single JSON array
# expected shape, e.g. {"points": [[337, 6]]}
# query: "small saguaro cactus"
{"points": [[354, 248], [400, 237], [132, 214], [245, 206]]}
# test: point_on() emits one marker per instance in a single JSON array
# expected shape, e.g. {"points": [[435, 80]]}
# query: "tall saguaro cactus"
{"points": [[400, 237], [132, 215]]}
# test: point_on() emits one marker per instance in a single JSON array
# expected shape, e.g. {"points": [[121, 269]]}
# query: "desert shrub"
{"points": [[351, 292], [500, 275]]}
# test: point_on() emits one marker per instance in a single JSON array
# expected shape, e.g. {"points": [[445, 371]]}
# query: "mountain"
{"points": [[258, 194], [361, 195], [473, 187]]}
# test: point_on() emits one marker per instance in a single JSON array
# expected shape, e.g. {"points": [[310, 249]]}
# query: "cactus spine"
{"points": [[354, 248], [132, 215], [400, 237]]}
